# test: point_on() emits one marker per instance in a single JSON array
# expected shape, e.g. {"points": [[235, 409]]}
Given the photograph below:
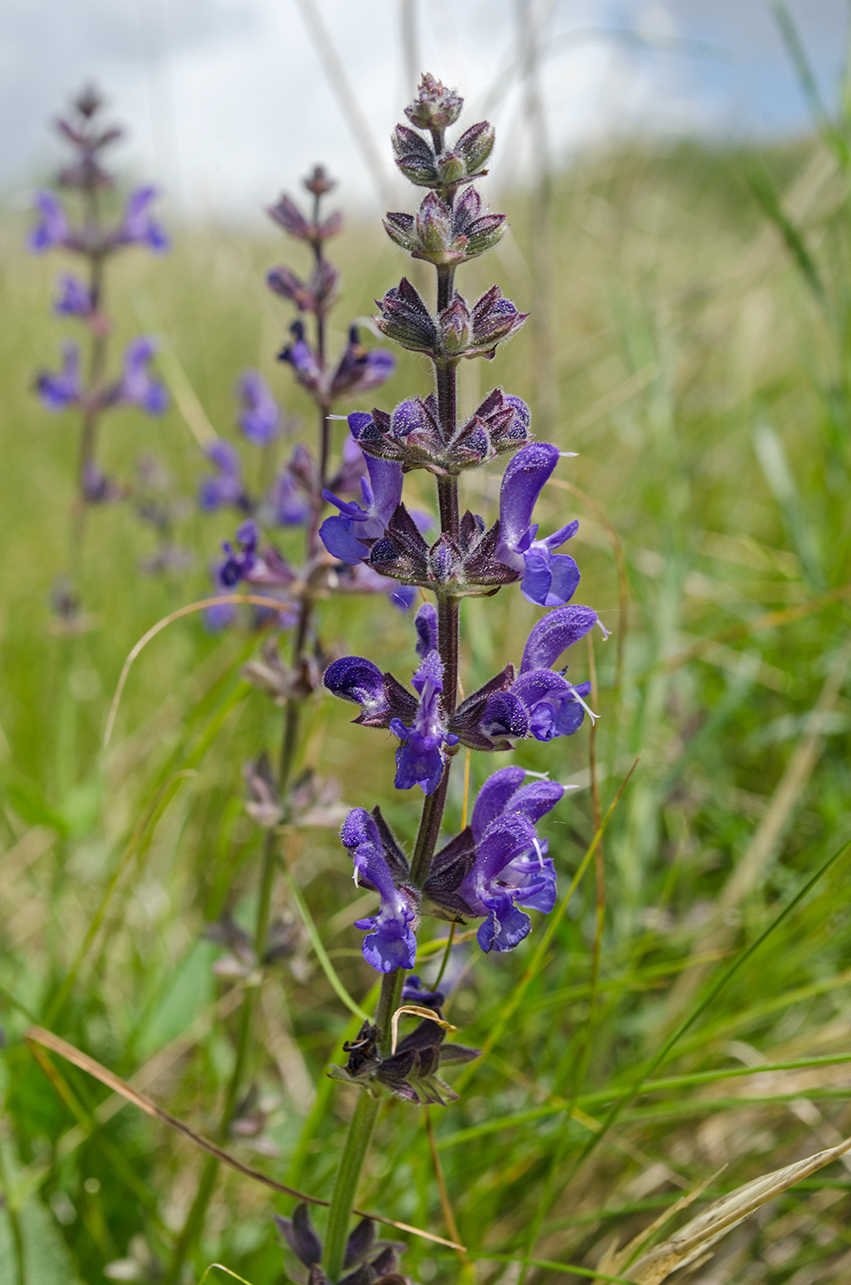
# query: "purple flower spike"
{"points": [[549, 579], [137, 387], [226, 486], [420, 759], [382, 491], [74, 298], [52, 227], [57, 392], [425, 623], [360, 368], [260, 417], [390, 942], [139, 226]]}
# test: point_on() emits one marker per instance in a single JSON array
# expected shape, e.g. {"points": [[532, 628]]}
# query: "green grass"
{"points": [[701, 382]]}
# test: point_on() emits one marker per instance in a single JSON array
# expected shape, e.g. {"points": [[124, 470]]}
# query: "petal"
{"points": [[554, 633], [425, 623], [493, 797], [353, 678], [537, 577], [338, 535], [522, 482]]}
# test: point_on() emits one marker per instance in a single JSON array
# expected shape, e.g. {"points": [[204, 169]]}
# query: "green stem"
{"points": [[361, 1128]]}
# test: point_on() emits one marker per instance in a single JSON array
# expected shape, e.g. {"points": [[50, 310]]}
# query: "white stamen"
{"points": [[544, 776], [345, 417], [539, 851], [588, 710], [607, 633], [567, 455], [355, 877]]}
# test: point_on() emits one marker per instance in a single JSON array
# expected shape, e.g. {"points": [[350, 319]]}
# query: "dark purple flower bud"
{"points": [[405, 318], [97, 488], [435, 106], [443, 234], [360, 368], [260, 416], [475, 146], [390, 942], [380, 696], [455, 328], [421, 758], [139, 226], [138, 387], [59, 391], [414, 157], [414, 992], [425, 623], [316, 296], [495, 319], [52, 227], [74, 298], [299, 1234], [319, 181], [226, 486], [451, 168], [303, 360], [288, 215], [549, 579], [504, 718], [343, 534]]}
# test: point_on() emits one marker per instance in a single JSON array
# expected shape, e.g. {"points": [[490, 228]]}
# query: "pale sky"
{"points": [[228, 102]]}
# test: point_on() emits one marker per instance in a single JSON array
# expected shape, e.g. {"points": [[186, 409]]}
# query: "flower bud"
{"points": [[475, 146], [414, 157], [435, 106]]}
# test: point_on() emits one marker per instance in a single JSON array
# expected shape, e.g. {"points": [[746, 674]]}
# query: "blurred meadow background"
{"points": [[688, 271]]}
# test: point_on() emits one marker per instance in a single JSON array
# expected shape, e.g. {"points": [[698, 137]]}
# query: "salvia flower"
{"points": [[404, 316], [539, 702], [316, 295], [366, 1261], [360, 369], [302, 358], [260, 415], [549, 578], [442, 234], [423, 166], [74, 298], [139, 227], [59, 391], [138, 387], [511, 869], [381, 866], [225, 486], [289, 504], [421, 757], [52, 228], [343, 534]]}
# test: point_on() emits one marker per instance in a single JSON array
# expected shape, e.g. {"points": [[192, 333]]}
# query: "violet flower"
{"points": [[421, 757], [360, 369], [226, 486], [390, 942], [302, 358], [260, 416], [549, 579], [138, 387], [52, 227], [139, 227], [510, 869], [59, 391], [74, 298], [382, 492], [289, 504]]}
